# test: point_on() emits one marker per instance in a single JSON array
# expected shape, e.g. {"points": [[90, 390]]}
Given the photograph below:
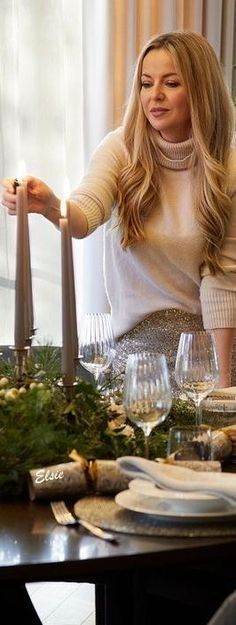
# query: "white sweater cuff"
{"points": [[218, 308], [93, 211]]}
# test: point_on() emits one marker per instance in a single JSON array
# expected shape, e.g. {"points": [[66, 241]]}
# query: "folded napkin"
{"points": [[177, 478]]}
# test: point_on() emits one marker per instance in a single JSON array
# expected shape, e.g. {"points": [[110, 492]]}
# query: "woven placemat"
{"points": [[104, 511]]}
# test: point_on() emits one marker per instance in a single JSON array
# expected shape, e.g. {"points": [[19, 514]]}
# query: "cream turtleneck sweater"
{"points": [[164, 270]]}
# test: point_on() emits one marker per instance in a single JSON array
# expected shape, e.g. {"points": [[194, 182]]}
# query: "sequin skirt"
{"points": [[160, 332]]}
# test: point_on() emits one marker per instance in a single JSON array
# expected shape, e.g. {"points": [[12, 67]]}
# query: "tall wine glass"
{"points": [[196, 367], [96, 343], [147, 393]]}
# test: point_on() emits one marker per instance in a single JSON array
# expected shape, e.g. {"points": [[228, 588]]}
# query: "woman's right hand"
{"points": [[40, 197]]}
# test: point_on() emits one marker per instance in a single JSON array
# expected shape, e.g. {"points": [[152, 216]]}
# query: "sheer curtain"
{"points": [[65, 73], [41, 123]]}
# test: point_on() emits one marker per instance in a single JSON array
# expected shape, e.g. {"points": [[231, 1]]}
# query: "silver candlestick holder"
{"points": [[68, 389], [30, 339], [21, 358]]}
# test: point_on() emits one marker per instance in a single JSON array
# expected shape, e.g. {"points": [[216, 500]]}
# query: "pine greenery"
{"points": [[39, 426]]}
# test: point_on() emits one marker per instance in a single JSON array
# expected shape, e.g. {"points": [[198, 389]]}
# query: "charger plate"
{"points": [[104, 511]]}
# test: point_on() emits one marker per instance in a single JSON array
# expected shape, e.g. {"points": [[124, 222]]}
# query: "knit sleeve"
{"points": [[97, 192], [218, 293]]}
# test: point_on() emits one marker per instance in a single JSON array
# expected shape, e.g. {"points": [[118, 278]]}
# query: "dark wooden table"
{"points": [[34, 548]]}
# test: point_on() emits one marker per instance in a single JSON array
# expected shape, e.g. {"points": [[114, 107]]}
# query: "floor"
{"points": [[63, 603]]}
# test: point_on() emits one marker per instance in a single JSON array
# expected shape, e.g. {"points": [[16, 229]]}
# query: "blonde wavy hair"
{"points": [[211, 112]]}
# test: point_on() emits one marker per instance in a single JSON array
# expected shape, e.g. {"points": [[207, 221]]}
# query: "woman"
{"points": [[165, 185]]}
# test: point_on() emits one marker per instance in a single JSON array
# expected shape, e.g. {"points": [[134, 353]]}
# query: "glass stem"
{"points": [[146, 448], [96, 380], [199, 413]]}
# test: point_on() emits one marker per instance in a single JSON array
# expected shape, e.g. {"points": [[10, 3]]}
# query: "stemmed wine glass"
{"points": [[196, 367], [147, 393], [96, 344]]}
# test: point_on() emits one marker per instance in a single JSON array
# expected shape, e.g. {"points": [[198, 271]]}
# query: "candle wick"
{"points": [[16, 184]]}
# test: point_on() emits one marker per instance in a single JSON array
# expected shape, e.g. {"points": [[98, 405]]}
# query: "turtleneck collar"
{"points": [[174, 155]]}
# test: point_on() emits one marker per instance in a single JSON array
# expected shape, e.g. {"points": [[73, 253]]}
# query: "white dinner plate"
{"points": [[178, 501], [219, 405], [135, 502]]}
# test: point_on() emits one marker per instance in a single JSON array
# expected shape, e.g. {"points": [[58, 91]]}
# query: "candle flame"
{"points": [[63, 208], [21, 169], [66, 187]]}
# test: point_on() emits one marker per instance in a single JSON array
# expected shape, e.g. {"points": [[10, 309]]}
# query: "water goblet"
{"points": [[189, 443], [196, 367], [96, 344], [147, 393]]}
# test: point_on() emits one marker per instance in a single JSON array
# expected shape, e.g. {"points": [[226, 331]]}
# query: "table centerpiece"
{"points": [[39, 425]]}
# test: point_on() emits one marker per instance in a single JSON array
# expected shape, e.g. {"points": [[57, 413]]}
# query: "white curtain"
{"points": [[65, 73]]}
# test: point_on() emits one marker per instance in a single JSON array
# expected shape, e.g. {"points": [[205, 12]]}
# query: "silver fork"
{"points": [[64, 517]]}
